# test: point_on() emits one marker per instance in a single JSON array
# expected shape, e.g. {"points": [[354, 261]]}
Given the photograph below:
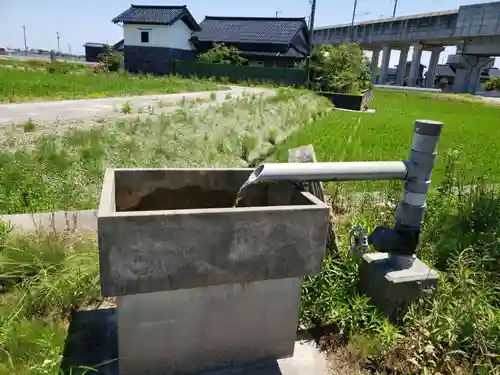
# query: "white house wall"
{"points": [[174, 36]]}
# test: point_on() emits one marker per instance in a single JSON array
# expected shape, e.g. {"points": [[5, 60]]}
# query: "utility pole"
{"points": [[25, 44], [311, 30], [353, 18], [277, 13], [69, 48], [395, 8], [58, 46]]}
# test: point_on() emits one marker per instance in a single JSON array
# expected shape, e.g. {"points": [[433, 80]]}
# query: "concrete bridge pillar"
{"points": [[415, 65], [431, 71], [374, 64], [386, 56], [401, 70], [468, 71]]}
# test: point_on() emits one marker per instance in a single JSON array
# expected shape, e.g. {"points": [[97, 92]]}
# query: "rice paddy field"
{"points": [[471, 133]]}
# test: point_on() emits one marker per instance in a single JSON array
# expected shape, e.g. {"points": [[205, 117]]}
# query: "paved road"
{"points": [[88, 109], [491, 99]]}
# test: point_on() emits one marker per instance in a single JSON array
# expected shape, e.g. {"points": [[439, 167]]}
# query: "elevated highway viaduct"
{"points": [[473, 29]]}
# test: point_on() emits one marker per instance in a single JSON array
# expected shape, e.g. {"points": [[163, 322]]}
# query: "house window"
{"points": [[144, 36]]}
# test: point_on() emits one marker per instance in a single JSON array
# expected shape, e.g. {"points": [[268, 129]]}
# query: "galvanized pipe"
{"points": [[338, 171]]}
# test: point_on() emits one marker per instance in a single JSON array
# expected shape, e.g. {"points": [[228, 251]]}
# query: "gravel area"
{"points": [[95, 109]]}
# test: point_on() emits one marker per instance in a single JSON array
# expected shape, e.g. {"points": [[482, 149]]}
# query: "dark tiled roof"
{"points": [[249, 30], [119, 45], [157, 15], [444, 71], [292, 52], [391, 71]]}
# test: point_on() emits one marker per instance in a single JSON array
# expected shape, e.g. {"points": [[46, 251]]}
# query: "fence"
{"points": [[237, 73]]}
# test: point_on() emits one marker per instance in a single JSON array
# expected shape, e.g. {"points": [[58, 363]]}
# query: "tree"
{"points": [[222, 54], [340, 69]]}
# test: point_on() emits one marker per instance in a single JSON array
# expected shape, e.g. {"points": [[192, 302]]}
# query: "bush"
{"points": [[443, 83], [222, 54], [111, 59], [57, 67], [340, 69], [493, 84]]}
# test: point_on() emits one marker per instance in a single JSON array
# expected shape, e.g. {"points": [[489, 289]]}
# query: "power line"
{"points": [[25, 44], [311, 31], [395, 8], [354, 13]]}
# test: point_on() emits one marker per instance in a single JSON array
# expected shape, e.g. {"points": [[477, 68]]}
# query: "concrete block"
{"points": [[188, 331], [60, 221], [392, 291], [168, 229], [92, 343]]}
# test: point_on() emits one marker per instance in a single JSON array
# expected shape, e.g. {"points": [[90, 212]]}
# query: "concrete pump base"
{"points": [[393, 291], [189, 331]]}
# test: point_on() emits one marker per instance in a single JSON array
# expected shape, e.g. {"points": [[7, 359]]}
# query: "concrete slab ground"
{"points": [[92, 341], [369, 110], [88, 109]]}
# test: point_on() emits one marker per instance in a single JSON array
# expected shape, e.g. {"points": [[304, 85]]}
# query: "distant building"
{"points": [[154, 35], [271, 42], [93, 50], [391, 75], [445, 76]]}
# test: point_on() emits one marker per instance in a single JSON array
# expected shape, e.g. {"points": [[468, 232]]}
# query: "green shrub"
{"points": [[493, 84], [341, 69], [443, 83], [222, 54], [111, 59]]}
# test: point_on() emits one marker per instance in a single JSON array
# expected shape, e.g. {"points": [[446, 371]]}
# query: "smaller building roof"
{"points": [[95, 45], [119, 45], [494, 72], [157, 15], [249, 29], [444, 70]]}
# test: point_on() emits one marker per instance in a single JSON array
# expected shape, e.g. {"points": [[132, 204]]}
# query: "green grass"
{"points": [[42, 278], [18, 86], [471, 129], [45, 64], [64, 171], [458, 332]]}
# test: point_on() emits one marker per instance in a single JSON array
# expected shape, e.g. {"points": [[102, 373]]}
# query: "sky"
{"points": [[84, 21]]}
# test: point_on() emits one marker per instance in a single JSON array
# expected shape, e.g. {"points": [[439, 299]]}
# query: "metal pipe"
{"points": [[339, 171]]}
